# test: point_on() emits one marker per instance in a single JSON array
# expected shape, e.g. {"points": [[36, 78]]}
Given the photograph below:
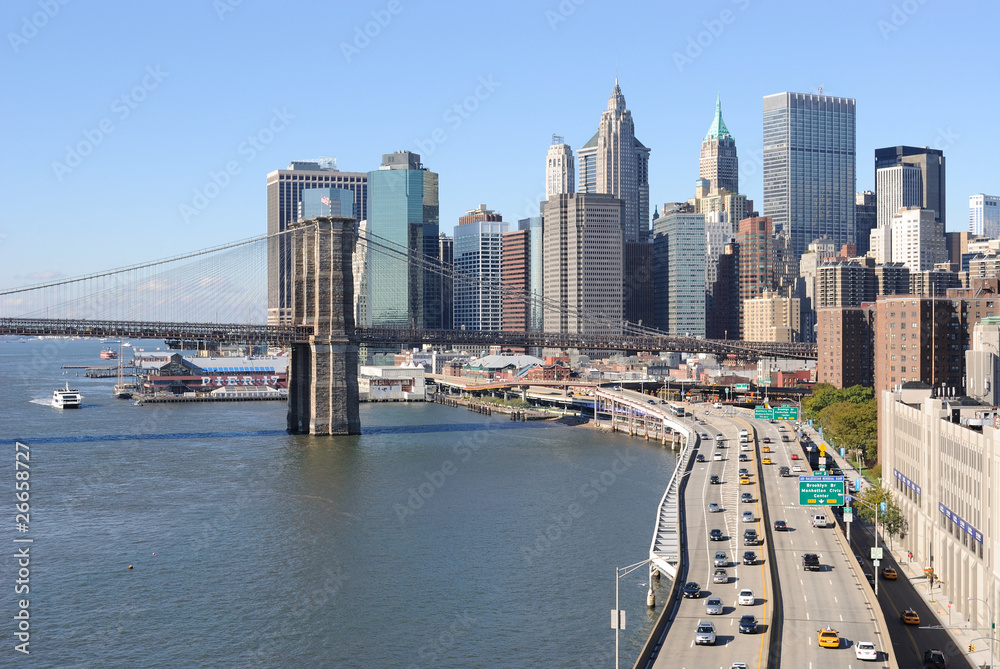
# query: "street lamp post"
{"points": [[992, 624], [875, 507], [618, 616]]}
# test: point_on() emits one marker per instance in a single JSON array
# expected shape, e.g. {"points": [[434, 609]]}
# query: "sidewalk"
{"points": [[949, 613]]}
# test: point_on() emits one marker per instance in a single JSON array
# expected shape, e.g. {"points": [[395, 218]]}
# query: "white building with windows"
{"points": [[477, 298], [917, 239], [984, 215], [895, 187], [560, 172]]}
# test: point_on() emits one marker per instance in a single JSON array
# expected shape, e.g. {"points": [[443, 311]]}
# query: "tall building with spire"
{"points": [[615, 163], [719, 164], [560, 173]]}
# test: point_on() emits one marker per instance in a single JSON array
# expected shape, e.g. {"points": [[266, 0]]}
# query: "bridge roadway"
{"points": [[833, 596], [284, 334]]}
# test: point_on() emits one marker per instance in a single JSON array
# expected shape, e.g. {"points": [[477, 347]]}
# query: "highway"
{"points": [[731, 646], [833, 596]]}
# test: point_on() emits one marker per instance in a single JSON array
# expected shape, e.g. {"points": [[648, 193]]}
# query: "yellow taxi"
{"points": [[766, 449], [744, 480], [910, 617], [828, 638], [766, 461], [889, 574]]}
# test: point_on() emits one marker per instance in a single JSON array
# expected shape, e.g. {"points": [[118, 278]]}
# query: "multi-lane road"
{"points": [[833, 597]]}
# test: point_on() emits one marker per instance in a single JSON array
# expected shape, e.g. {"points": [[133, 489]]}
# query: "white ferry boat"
{"points": [[68, 398]]}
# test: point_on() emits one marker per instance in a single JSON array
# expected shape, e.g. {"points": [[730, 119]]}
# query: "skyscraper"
{"points": [[865, 218], [614, 162], [896, 186], [932, 173], [478, 300], [403, 213], [536, 270], [446, 258], [984, 215], [754, 261], [679, 266], [719, 164], [809, 167], [560, 174], [582, 245], [284, 193]]}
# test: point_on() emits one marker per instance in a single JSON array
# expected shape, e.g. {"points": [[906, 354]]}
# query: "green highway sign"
{"points": [[785, 412], [742, 386], [761, 412], [821, 490]]}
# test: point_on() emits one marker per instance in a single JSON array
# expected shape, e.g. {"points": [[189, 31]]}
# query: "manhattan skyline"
{"points": [[193, 99]]}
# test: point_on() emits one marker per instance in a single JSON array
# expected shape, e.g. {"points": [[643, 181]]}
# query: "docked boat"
{"points": [[108, 354], [68, 398]]}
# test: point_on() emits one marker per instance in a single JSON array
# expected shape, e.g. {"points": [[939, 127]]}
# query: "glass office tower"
{"points": [[405, 291], [810, 167]]}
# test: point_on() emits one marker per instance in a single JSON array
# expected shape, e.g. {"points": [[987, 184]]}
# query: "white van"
{"points": [[717, 456], [819, 520]]}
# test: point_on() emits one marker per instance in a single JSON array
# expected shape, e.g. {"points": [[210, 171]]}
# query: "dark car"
{"points": [[692, 590], [715, 535], [767, 440], [783, 471], [934, 659], [746, 497], [780, 526], [750, 538], [749, 557], [700, 458], [748, 624], [810, 562], [714, 479]]}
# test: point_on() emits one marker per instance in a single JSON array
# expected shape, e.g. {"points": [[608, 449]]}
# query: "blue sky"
{"points": [[172, 99]]}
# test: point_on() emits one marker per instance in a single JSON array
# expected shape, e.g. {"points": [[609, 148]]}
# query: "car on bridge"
{"points": [[766, 449], [705, 634], [783, 471], [797, 469], [828, 638], [749, 557], [738, 665], [720, 575], [713, 606], [767, 440], [810, 562], [750, 538], [746, 597], [700, 458], [716, 535], [794, 456], [909, 617], [744, 457], [744, 480], [748, 624], [744, 471], [748, 517], [765, 460], [780, 526], [714, 479], [692, 590], [746, 497], [717, 456], [721, 559], [714, 508]]}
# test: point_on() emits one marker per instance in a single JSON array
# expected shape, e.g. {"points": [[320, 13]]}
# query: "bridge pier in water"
{"points": [[323, 374]]}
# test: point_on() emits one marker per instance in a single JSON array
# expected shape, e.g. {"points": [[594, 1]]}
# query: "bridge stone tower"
{"points": [[323, 386]]}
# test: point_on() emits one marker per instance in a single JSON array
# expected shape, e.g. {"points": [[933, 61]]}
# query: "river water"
{"points": [[437, 538]]}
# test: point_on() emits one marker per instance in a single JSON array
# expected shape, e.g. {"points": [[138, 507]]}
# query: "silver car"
{"points": [[714, 508], [705, 634], [748, 517], [721, 559], [713, 606], [720, 576]]}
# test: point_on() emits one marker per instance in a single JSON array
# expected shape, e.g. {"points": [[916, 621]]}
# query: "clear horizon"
{"points": [[142, 131]]}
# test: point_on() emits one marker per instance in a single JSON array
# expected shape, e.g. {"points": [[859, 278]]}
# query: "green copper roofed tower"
{"points": [[718, 128], [719, 164]]}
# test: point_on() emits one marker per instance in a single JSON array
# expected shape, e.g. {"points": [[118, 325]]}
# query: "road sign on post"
{"points": [[848, 514], [785, 412], [876, 553], [742, 387], [821, 490], [761, 412]]}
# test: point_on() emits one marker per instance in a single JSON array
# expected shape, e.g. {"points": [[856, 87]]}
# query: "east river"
{"points": [[437, 538]]}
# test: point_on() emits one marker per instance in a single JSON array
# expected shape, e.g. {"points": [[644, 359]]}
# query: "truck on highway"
{"points": [[744, 436]]}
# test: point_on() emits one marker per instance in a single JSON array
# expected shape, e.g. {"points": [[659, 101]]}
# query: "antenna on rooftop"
{"points": [[557, 139], [325, 162], [820, 90]]}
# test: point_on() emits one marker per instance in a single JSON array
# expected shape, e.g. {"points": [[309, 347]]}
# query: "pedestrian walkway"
{"points": [[950, 614]]}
